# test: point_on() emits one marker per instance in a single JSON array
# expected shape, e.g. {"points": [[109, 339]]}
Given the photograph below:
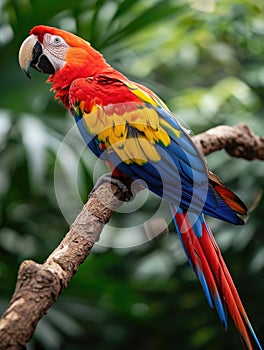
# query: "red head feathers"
{"points": [[61, 54]]}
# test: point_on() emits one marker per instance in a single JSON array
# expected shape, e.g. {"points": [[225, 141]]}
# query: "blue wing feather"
{"points": [[181, 175]]}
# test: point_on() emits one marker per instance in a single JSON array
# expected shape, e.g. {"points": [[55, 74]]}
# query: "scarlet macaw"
{"points": [[129, 127]]}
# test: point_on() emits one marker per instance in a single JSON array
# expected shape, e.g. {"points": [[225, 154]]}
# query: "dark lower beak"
{"points": [[40, 61], [31, 55]]}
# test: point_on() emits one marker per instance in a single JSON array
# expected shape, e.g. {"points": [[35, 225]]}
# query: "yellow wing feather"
{"points": [[134, 134], [145, 97]]}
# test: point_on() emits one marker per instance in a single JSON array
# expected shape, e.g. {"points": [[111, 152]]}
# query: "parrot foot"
{"points": [[129, 188]]}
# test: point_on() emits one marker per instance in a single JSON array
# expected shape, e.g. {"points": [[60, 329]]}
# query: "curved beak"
{"points": [[31, 55]]}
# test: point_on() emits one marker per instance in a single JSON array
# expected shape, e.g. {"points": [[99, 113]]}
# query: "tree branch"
{"points": [[39, 285], [238, 141]]}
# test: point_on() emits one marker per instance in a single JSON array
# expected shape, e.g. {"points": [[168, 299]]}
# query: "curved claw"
{"points": [[120, 183]]}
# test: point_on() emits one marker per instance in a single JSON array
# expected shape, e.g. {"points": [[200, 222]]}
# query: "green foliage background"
{"points": [[205, 59]]}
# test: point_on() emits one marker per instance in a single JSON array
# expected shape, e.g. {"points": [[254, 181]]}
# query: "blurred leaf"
{"points": [[205, 59]]}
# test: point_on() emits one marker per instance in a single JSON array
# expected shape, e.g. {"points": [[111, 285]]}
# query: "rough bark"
{"points": [[238, 141], [39, 285]]}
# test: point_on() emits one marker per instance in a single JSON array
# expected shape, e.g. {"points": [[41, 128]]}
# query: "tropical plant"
{"points": [[205, 59]]}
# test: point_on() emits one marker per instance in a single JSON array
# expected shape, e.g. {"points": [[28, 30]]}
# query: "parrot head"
{"points": [[50, 50], [62, 55]]}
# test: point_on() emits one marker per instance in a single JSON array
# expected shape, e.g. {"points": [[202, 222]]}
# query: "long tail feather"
{"points": [[207, 262]]}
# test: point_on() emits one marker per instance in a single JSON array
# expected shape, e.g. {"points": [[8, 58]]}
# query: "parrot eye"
{"points": [[56, 40]]}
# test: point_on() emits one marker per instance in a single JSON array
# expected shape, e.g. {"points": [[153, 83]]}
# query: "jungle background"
{"points": [[205, 60]]}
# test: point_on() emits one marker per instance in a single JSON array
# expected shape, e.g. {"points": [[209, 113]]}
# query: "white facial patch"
{"points": [[55, 48]]}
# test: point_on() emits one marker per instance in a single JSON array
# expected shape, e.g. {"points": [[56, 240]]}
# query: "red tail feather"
{"points": [[206, 259]]}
